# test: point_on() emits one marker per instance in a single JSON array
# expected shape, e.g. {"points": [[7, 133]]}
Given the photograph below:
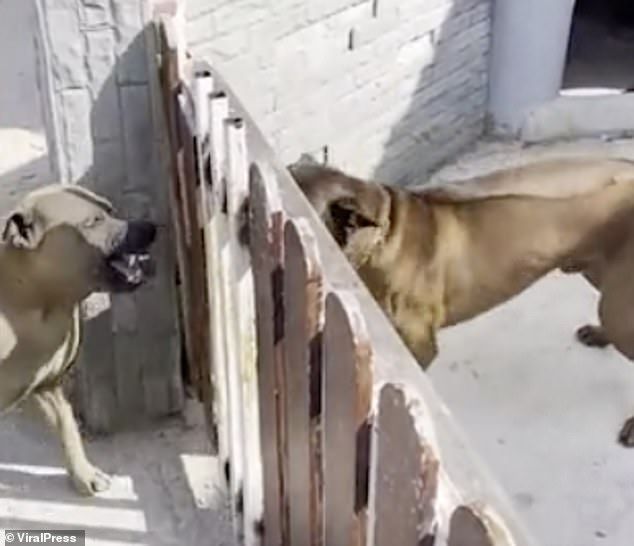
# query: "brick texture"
{"points": [[104, 96], [390, 88]]}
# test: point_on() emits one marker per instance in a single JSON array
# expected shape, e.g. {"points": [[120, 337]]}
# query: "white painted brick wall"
{"points": [[390, 87]]}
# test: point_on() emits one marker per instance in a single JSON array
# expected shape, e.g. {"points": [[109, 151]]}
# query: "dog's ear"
{"points": [[21, 230], [357, 226], [351, 214]]}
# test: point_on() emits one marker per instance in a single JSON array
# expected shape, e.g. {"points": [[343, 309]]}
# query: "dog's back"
{"points": [[551, 179]]}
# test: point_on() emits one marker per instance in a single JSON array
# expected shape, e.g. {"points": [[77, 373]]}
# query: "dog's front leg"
{"points": [[58, 413], [626, 434], [415, 325], [421, 341]]}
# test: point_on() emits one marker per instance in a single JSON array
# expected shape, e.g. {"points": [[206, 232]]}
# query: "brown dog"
{"points": [[58, 246], [438, 256]]}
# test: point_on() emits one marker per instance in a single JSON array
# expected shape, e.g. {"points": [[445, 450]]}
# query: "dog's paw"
{"points": [[592, 336], [626, 435], [90, 480]]}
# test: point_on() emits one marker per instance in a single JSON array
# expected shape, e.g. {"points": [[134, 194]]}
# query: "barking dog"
{"points": [[58, 246]]}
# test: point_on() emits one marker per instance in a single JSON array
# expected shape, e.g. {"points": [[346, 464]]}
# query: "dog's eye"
{"points": [[94, 220]]}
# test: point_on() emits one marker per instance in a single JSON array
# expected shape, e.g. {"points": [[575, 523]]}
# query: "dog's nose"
{"points": [[140, 234]]}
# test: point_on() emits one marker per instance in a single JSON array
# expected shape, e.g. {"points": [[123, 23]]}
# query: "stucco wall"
{"points": [[26, 159], [386, 88], [104, 97]]}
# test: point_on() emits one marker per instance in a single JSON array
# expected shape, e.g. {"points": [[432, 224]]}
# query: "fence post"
{"points": [[216, 249], [171, 86], [303, 317], [347, 398], [243, 379], [203, 85], [267, 255], [404, 473]]}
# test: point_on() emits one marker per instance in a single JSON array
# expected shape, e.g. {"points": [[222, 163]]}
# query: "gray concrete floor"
{"points": [[165, 489], [542, 410]]}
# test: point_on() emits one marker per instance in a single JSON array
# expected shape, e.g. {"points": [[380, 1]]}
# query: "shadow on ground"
{"points": [[164, 490]]}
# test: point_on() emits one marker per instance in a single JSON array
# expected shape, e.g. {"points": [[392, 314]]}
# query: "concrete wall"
{"points": [[104, 99], [26, 160], [387, 88]]}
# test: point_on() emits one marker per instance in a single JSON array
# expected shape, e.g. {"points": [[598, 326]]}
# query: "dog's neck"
{"points": [[21, 287]]}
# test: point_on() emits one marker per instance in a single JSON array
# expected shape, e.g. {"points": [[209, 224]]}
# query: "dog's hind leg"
{"points": [[616, 313], [592, 335], [58, 413]]}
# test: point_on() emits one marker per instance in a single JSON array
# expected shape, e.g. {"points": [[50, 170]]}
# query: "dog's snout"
{"points": [[139, 235]]}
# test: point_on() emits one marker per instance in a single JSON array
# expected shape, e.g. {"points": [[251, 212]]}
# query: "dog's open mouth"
{"points": [[130, 265], [130, 270]]}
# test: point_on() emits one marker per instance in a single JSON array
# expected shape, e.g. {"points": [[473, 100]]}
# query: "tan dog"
{"points": [[438, 256], [58, 246]]}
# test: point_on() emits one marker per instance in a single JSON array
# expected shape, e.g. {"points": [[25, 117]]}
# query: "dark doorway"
{"points": [[601, 47]]}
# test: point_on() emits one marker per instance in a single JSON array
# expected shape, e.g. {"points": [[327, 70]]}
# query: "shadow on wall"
{"points": [[447, 108], [111, 143], [131, 345]]}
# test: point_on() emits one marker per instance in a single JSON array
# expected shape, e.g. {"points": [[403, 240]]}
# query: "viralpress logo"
{"points": [[11, 537]]}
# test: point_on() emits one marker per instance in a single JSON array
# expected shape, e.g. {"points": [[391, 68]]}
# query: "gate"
{"points": [[328, 431]]}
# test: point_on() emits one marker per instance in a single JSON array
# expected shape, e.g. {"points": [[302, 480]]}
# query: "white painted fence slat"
{"points": [[304, 315], [228, 322], [203, 86], [215, 231], [243, 380], [266, 219]]}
